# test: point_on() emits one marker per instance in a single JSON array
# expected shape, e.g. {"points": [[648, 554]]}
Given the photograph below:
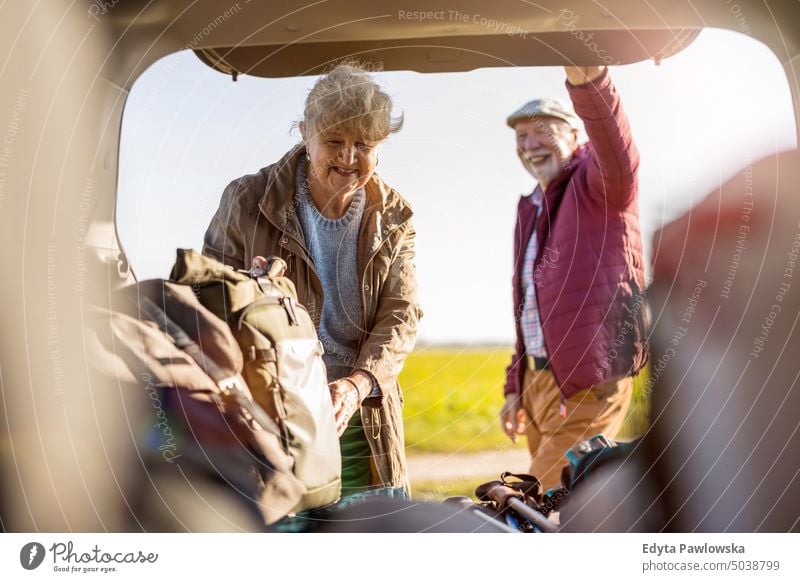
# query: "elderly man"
{"points": [[578, 274]]}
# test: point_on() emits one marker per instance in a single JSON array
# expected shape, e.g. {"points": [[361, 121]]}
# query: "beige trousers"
{"points": [[600, 409]]}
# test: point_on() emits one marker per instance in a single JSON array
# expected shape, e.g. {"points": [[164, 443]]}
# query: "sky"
{"points": [[697, 118]]}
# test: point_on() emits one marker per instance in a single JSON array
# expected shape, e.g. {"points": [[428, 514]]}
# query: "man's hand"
{"points": [[512, 417], [581, 75]]}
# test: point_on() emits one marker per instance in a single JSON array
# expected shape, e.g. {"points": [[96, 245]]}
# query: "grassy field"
{"points": [[453, 397]]}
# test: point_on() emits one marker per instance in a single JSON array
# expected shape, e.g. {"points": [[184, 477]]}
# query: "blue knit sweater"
{"points": [[333, 244]]}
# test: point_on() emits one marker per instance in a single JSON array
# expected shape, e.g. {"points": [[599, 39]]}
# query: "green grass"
{"points": [[637, 421], [453, 398]]}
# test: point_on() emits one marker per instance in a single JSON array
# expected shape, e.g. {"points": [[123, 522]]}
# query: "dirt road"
{"points": [[454, 466]]}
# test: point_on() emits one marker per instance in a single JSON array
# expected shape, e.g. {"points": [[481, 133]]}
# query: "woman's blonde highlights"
{"points": [[347, 99]]}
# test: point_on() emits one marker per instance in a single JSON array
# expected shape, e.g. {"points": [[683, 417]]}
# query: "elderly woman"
{"points": [[348, 241]]}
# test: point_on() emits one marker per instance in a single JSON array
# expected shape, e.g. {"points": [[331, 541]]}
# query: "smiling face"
{"points": [[544, 146], [340, 162]]}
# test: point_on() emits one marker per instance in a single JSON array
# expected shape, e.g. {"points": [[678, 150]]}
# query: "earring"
{"points": [[308, 158]]}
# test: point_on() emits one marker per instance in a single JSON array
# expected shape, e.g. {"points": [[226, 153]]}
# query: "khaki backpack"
{"points": [[282, 365], [244, 360]]}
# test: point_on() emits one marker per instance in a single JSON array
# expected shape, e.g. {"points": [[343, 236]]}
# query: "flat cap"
{"points": [[542, 108]]}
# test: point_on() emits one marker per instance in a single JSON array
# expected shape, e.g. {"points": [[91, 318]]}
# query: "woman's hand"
{"points": [[346, 395]]}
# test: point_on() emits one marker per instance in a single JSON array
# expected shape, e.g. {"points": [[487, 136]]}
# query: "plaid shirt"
{"points": [[531, 324]]}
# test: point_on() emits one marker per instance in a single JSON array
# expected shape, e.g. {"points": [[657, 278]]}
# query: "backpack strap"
{"points": [[232, 387]]}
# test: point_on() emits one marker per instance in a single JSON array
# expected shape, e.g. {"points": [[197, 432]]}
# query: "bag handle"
{"points": [[527, 484]]}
